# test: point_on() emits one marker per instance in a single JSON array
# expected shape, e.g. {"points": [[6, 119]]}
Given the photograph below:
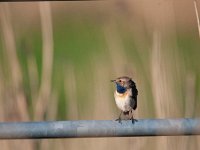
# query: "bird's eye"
{"points": [[120, 80]]}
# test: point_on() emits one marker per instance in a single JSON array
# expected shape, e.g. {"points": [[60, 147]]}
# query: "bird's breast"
{"points": [[123, 100], [121, 95]]}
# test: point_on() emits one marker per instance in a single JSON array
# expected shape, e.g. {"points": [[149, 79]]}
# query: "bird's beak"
{"points": [[113, 80]]}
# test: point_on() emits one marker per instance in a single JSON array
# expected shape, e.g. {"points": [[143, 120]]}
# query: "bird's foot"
{"points": [[133, 120], [119, 120]]}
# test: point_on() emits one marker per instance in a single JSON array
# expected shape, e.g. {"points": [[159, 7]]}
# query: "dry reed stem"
{"points": [[47, 60], [164, 71], [4, 144], [10, 45], [33, 76], [190, 95], [71, 92], [197, 16], [14, 66], [14, 94], [115, 48], [2, 84], [165, 96], [101, 92], [52, 108], [158, 84]]}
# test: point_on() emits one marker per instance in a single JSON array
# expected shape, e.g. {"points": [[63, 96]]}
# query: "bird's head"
{"points": [[122, 83]]}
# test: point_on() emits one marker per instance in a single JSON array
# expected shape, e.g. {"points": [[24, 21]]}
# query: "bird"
{"points": [[125, 96]]}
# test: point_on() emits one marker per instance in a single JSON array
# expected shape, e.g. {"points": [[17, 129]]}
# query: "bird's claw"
{"points": [[119, 120], [133, 120]]}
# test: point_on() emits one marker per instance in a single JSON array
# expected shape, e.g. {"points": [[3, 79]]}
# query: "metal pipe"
{"points": [[99, 128]]}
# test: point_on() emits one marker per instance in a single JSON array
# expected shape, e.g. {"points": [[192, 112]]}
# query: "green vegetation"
{"points": [[89, 49]]}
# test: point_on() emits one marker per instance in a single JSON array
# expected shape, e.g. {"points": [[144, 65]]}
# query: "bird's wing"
{"points": [[134, 95]]}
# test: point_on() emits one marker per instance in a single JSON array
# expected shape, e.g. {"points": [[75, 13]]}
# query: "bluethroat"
{"points": [[125, 96]]}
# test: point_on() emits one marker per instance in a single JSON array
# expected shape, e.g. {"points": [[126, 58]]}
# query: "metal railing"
{"points": [[99, 128]]}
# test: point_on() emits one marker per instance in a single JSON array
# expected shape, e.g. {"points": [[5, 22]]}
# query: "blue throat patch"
{"points": [[120, 89]]}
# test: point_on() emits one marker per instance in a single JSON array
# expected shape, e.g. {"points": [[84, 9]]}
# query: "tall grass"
{"points": [[59, 66]]}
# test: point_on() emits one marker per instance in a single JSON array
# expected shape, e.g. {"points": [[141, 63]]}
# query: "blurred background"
{"points": [[57, 60]]}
